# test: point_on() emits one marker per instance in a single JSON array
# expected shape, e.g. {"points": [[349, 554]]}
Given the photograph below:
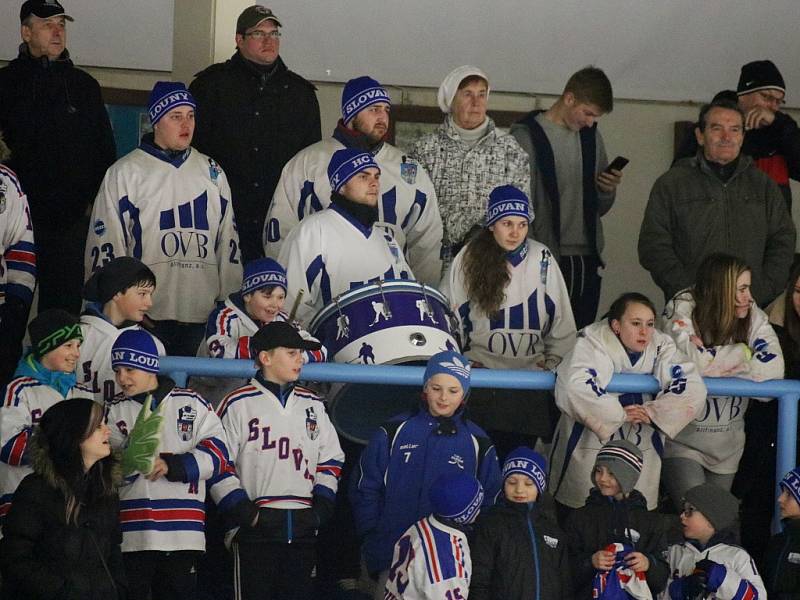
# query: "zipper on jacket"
{"points": [[289, 526], [532, 535]]}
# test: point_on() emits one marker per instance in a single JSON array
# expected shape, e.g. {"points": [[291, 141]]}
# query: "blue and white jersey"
{"points": [[176, 217], [715, 437], [17, 250], [408, 206], [285, 450], [169, 515], [592, 416], [330, 253], [431, 562], [534, 325], [24, 401]]}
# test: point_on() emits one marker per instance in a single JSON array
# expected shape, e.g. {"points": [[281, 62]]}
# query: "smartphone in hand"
{"points": [[617, 164]]}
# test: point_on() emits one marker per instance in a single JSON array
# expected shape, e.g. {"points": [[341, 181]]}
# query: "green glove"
{"points": [[143, 440]]}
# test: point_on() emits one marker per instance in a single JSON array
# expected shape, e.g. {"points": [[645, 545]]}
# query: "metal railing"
{"points": [[787, 391]]}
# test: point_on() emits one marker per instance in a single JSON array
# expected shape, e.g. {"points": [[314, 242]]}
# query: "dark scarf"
{"points": [[350, 138], [364, 214]]}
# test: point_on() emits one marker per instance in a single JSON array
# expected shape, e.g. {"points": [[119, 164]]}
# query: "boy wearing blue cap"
{"points": [[341, 247], [518, 550], [172, 443], [170, 207], [390, 487], [432, 559], [782, 558]]}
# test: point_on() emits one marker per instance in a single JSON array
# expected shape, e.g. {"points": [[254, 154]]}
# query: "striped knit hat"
{"points": [[624, 460], [527, 462], [791, 483], [456, 497]]}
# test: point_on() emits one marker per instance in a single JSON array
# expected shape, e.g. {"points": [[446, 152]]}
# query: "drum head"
{"points": [[358, 409]]}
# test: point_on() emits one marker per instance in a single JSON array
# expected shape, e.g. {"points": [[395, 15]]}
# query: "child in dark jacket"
{"points": [[615, 513], [519, 552], [782, 558]]}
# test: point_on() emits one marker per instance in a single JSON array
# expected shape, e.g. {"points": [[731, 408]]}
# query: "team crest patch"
{"points": [[186, 418], [213, 170], [99, 227], [408, 172], [312, 428]]}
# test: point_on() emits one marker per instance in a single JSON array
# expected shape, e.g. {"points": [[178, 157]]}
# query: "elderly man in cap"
{"points": [[407, 207], [771, 137], [61, 142], [254, 114], [168, 205], [339, 248], [467, 157]]}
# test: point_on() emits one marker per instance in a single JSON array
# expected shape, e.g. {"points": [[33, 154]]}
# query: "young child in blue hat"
{"points": [[782, 558]]}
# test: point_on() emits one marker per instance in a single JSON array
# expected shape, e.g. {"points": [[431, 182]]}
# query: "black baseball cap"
{"points": [[280, 334], [252, 16], [44, 9]]}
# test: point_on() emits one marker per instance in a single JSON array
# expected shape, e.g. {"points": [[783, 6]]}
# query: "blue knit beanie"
{"points": [[450, 363], [359, 93], [261, 273], [346, 163], [456, 497], [135, 348], [527, 462], [165, 96], [507, 201], [791, 483]]}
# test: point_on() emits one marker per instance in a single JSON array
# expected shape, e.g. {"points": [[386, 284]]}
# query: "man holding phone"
{"points": [[574, 184]]}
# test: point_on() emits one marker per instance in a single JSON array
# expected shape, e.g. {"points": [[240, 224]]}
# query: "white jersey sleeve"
{"points": [[16, 242], [423, 230], [229, 261], [110, 227], [294, 189], [302, 248]]}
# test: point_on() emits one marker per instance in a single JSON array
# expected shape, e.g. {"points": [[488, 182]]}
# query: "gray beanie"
{"points": [[624, 460], [718, 505]]}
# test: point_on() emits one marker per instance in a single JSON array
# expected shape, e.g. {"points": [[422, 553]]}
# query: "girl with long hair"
{"points": [[514, 313], [625, 342], [719, 327], [61, 538]]}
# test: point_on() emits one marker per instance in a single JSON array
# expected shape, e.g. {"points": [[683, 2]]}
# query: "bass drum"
{"points": [[388, 323]]}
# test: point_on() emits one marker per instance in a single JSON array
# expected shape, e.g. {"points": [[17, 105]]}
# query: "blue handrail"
{"points": [[786, 390]]}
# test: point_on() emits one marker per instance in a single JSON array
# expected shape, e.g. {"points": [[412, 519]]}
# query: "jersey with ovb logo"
{"points": [[176, 217]]}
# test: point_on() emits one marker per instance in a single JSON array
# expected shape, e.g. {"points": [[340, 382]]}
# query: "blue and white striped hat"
{"points": [[528, 462], [507, 201], [346, 163], [450, 363], [135, 348], [261, 273], [791, 483], [165, 96], [359, 93], [456, 497], [624, 460]]}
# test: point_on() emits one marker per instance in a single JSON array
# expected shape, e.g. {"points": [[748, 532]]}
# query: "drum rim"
{"points": [[359, 293]]}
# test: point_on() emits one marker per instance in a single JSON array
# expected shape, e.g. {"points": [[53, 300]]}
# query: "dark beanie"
{"points": [[52, 328], [624, 460], [63, 426], [114, 277], [718, 505], [760, 75]]}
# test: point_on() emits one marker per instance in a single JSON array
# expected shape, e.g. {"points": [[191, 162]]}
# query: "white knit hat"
{"points": [[449, 87]]}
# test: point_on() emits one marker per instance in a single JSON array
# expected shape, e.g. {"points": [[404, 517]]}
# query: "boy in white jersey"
{"points": [[288, 460], [173, 443], [118, 297]]}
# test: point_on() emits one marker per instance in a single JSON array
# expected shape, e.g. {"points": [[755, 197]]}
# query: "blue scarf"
{"points": [[58, 380]]}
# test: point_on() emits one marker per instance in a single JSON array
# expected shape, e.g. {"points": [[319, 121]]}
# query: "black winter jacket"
{"points": [[519, 553], [782, 563], [252, 122], [44, 558], [55, 123], [603, 521]]}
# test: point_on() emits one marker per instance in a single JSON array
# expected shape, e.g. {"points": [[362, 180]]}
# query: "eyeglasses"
{"points": [[263, 35], [688, 510], [770, 99]]}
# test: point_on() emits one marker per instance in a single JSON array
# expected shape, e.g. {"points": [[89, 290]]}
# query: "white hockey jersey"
{"points": [[742, 581], [94, 370], [535, 322], [161, 514], [591, 416], [25, 400], [17, 250], [177, 218], [715, 438], [408, 206], [283, 453], [431, 562], [330, 253]]}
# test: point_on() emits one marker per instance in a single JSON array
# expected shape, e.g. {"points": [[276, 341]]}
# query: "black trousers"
{"points": [[155, 575], [273, 571], [583, 285], [59, 265]]}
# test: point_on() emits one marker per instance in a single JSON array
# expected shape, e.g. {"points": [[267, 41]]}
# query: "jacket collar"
{"points": [[450, 131], [239, 61], [176, 159], [699, 162]]}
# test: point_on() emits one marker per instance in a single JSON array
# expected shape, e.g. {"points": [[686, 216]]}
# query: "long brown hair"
{"points": [[486, 272], [791, 320], [714, 293]]}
